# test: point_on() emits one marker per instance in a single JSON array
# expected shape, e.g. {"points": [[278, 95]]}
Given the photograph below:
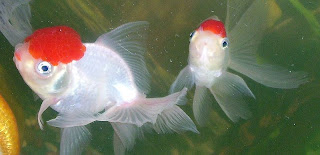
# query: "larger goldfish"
{"points": [[102, 81], [214, 50]]}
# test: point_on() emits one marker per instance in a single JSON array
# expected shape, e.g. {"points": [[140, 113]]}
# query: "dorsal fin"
{"points": [[129, 41]]}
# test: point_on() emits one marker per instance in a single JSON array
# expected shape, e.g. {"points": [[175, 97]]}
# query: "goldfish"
{"points": [[9, 135], [102, 81], [215, 50]]}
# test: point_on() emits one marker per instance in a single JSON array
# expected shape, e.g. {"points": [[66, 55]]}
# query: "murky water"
{"points": [[284, 121]]}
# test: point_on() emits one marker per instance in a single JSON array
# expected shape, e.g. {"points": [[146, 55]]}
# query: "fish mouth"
{"points": [[16, 62], [17, 56]]}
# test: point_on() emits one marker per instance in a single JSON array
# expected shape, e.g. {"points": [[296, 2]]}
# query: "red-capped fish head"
{"points": [[60, 44], [44, 57], [209, 45]]}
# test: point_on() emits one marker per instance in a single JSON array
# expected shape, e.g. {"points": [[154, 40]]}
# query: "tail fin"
{"points": [[245, 33], [169, 121], [174, 119], [159, 114], [74, 140], [15, 20], [143, 110], [124, 137], [266, 74]]}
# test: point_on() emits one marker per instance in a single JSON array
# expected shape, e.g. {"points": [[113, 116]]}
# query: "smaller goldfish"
{"points": [[212, 54], [102, 81], [9, 135]]}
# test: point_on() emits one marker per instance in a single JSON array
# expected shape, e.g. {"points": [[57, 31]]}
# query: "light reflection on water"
{"points": [[284, 121]]}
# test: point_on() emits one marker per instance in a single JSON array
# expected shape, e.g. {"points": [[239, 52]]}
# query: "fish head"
{"points": [[209, 45], [44, 59]]}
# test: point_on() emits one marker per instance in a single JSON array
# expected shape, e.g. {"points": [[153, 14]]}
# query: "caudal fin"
{"points": [[74, 140], [162, 115], [142, 110], [245, 32], [15, 20], [171, 120], [266, 74], [125, 136]]}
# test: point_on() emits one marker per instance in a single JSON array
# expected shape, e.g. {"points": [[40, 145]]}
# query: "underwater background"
{"points": [[284, 121]]}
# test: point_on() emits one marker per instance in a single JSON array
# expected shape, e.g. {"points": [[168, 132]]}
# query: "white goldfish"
{"points": [[213, 51], [102, 81]]}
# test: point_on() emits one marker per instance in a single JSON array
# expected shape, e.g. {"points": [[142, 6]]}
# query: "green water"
{"points": [[284, 121]]}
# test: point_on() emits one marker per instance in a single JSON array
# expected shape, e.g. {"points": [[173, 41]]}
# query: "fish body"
{"points": [[208, 56], [9, 135], [102, 81], [207, 69], [215, 50]]}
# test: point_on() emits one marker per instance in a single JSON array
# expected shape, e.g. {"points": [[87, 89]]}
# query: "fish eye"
{"points": [[44, 68], [192, 34], [225, 43]]}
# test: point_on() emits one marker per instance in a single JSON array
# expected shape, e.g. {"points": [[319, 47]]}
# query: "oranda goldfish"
{"points": [[102, 81], [9, 135], [215, 50]]}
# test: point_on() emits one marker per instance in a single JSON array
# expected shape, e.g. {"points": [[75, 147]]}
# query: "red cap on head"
{"points": [[215, 26], [56, 44]]}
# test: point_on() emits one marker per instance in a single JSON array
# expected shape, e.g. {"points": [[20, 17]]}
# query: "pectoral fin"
{"points": [[185, 79], [230, 91], [45, 105]]}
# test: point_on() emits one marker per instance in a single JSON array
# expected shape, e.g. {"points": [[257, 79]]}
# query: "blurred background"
{"points": [[284, 121]]}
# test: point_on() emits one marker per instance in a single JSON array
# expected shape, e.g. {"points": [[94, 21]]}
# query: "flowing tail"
{"points": [[15, 20], [266, 74], [245, 36], [129, 121], [74, 140], [159, 114]]}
